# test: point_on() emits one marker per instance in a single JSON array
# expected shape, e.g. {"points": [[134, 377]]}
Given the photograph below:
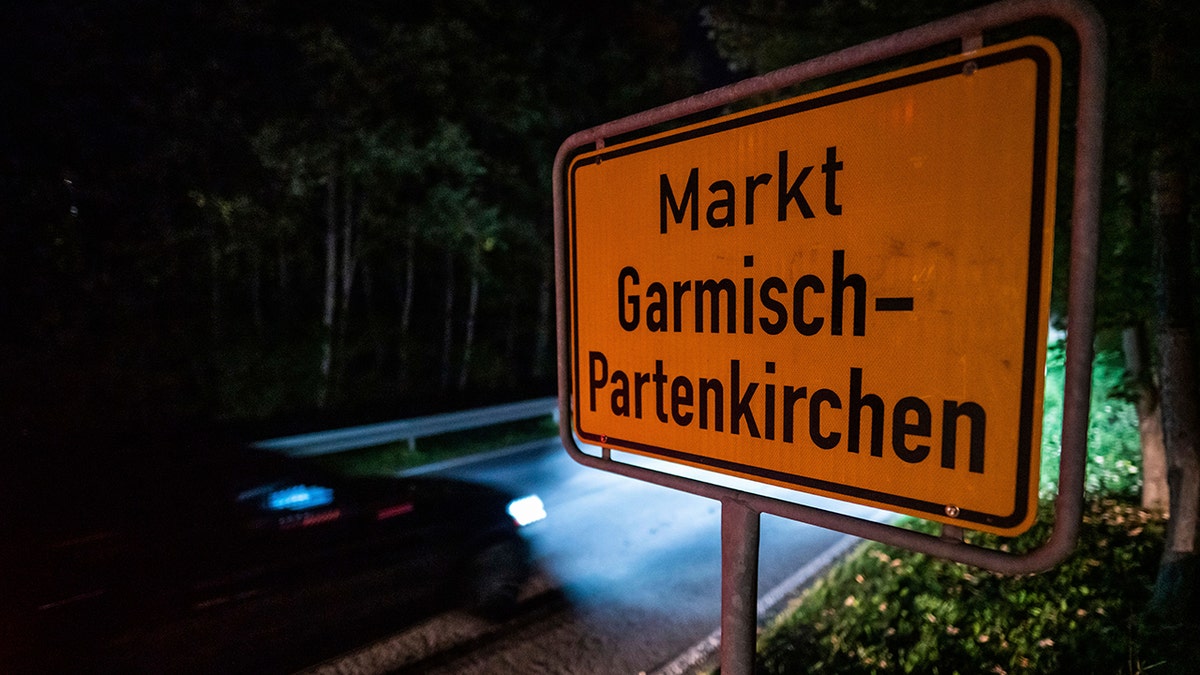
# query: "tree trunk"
{"points": [[215, 261], [213, 374], [1175, 592], [406, 305], [346, 269], [373, 329], [545, 324], [329, 305], [448, 323], [256, 301], [349, 257], [469, 332], [1155, 496], [410, 276], [284, 281]]}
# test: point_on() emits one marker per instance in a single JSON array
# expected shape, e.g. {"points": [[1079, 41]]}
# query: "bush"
{"points": [[888, 610], [1114, 448]]}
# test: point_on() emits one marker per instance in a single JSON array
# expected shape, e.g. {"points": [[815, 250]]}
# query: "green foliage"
{"points": [[887, 610], [1114, 447], [760, 35]]}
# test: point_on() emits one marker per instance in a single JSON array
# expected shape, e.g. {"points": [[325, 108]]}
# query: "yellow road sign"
{"points": [[845, 292]]}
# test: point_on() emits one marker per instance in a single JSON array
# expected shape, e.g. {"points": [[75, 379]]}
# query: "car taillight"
{"points": [[393, 511], [309, 519]]}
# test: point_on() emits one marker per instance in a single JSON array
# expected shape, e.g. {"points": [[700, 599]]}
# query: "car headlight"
{"points": [[526, 510]]}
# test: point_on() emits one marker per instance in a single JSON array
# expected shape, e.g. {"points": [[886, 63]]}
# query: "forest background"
{"points": [[324, 212], [289, 216], [298, 214]]}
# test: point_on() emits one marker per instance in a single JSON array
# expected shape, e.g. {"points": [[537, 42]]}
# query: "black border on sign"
{"points": [[1041, 58]]}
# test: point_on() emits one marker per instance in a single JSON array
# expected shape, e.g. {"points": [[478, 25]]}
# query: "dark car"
{"points": [[236, 549]]}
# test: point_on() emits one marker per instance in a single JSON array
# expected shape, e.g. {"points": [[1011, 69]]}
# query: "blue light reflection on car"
{"points": [[299, 498]]}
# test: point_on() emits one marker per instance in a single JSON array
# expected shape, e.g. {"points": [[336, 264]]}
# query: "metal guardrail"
{"points": [[351, 438]]}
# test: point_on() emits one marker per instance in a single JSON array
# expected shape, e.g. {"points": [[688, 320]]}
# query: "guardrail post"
{"points": [[739, 587]]}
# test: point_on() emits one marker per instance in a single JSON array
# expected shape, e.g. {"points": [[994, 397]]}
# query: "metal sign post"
{"points": [[844, 293], [739, 586]]}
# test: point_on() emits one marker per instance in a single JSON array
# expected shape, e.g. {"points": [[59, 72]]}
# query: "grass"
{"points": [[392, 458], [885, 610]]}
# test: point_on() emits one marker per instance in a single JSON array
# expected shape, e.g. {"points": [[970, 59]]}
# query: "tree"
{"points": [[453, 114], [110, 130], [1177, 589], [247, 211]]}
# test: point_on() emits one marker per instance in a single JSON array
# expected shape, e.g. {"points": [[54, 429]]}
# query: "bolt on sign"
{"points": [[845, 293]]}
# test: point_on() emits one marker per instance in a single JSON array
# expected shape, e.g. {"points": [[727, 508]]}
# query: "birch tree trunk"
{"points": [[469, 332], [447, 323], [410, 275], [406, 305], [329, 305], [345, 273], [347, 258]]}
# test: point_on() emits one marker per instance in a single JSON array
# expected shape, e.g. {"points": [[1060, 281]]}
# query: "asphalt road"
{"points": [[634, 569]]}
